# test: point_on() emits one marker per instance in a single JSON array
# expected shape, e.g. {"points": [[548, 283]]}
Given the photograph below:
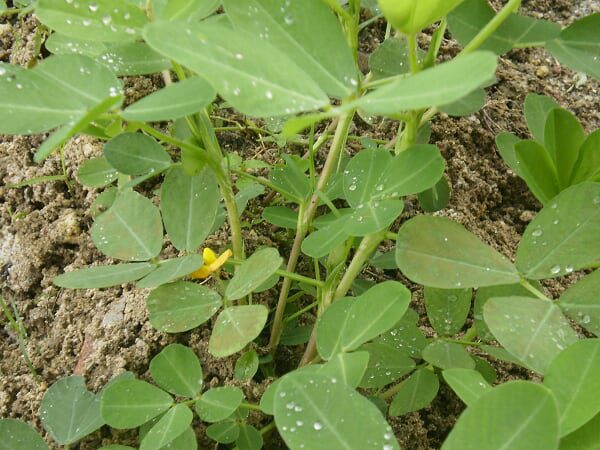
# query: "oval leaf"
{"points": [[468, 384], [177, 370], [136, 154], [219, 403], [447, 309], [235, 328], [448, 355], [103, 276], [253, 272], [171, 269], [170, 426], [580, 302], [416, 392], [17, 435]]}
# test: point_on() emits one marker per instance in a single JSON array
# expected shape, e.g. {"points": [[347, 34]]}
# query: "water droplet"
{"points": [[597, 200], [586, 319], [317, 426], [379, 188], [93, 7], [239, 56], [555, 270], [569, 269], [269, 95], [537, 233], [352, 187], [288, 20], [106, 20], [86, 22]]}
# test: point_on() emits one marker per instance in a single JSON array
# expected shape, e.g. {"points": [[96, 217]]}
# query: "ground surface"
{"points": [[100, 333]]}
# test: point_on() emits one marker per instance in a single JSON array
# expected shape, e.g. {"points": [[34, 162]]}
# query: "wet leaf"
{"points": [[246, 366], [448, 355], [581, 303], [96, 172], [386, 365], [468, 384], [136, 154], [447, 309], [236, 327]]}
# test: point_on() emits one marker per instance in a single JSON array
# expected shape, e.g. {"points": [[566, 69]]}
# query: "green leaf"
{"points": [[291, 181], [563, 136], [466, 21], [587, 167], [180, 10], [253, 272], [59, 90], [349, 368], [368, 316], [17, 435], [249, 438], [281, 216], [585, 438], [314, 412], [532, 330], [562, 237], [223, 432], [99, 20], [578, 46], [386, 365], [246, 366], [506, 147], [103, 276], [131, 403], [189, 206], [177, 100], [389, 59], [69, 411], [374, 175], [236, 327], [267, 401], [448, 355], [580, 302], [468, 384], [537, 108], [437, 252], [185, 441], [136, 154], [406, 335], [170, 426], [447, 309], [130, 230], [469, 104], [246, 72], [322, 242], [416, 392], [104, 201], [435, 198], [171, 269], [536, 167], [373, 216], [96, 172], [177, 370], [485, 369], [181, 306], [484, 294], [424, 89], [219, 403], [574, 390], [308, 32], [519, 415]]}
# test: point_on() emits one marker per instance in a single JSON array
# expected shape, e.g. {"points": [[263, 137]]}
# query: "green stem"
{"points": [[470, 334], [173, 141], [304, 220], [287, 274], [251, 406], [527, 285], [492, 26], [301, 311], [413, 54]]}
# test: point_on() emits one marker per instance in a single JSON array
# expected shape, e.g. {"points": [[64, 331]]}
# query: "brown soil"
{"points": [[100, 333]]}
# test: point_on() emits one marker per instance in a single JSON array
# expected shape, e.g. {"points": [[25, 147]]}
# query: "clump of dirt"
{"points": [[101, 333]]}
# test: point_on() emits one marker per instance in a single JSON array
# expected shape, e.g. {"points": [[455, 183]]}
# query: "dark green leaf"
{"points": [[587, 167], [96, 172], [389, 59], [468, 384], [448, 355], [386, 365], [253, 272], [585, 438], [536, 109], [170, 426], [171, 269], [437, 197], [281, 216], [536, 167], [581, 302], [416, 392], [447, 309], [17, 435], [223, 432], [249, 438], [136, 154], [177, 370], [103, 276], [236, 327], [219, 403], [406, 335], [246, 366]]}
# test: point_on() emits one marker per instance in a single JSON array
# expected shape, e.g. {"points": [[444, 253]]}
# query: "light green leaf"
{"points": [[177, 370], [267, 401], [582, 304], [185, 441], [349, 368], [131, 403], [281, 216], [170, 426], [536, 167], [189, 206], [236, 327], [136, 154], [188, 10], [181, 306], [219, 403], [308, 32], [468, 384], [371, 314], [447, 309], [416, 392], [17, 435], [506, 147], [69, 411], [373, 216], [424, 89], [437, 252], [536, 109], [174, 101], [323, 241], [246, 72], [436, 198], [171, 269], [578, 46], [563, 136], [291, 180], [223, 432], [130, 230], [249, 438], [314, 412], [518, 415], [386, 365], [59, 90], [253, 272], [575, 390], [562, 237], [585, 438], [96, 172], [246, 366], [532, 330], [448, 355], [99, 20], [406, 335], [587, 167], [389, 59], [485, 369], [103, 276]]}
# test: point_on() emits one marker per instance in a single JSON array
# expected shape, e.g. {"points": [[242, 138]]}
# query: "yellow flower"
{"points": [[211, 263]]}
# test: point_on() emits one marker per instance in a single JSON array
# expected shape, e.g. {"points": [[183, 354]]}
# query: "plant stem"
{"points": [[527, 285], [304, 220], [284, 273], [173, 141], [413, 53], [492, 26]]}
